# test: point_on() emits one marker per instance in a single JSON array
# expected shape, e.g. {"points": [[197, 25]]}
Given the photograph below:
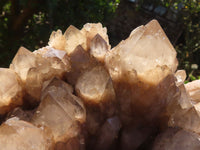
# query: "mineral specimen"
{"points": [[76, 93]]}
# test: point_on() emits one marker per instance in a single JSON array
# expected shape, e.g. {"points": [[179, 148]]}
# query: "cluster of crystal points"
{"points": [[77, 93]]}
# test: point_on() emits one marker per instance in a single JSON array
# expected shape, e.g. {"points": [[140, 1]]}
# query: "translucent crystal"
{"points": [[60, 110], [22, 62], [141, 68], [10, 90], [95, 87], [74, 38], [80, 62], [193, 88], [180, 76], [20, 135], [57, 40], [98, 48], [174, 139], [91, 29]]}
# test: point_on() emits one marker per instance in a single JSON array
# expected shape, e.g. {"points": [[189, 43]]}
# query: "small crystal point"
{"points": [[91, 29], [57, 40], [98, 48]]}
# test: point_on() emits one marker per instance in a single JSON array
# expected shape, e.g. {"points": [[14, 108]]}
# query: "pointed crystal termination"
{"points": [[74, 37], [60, 111], [174, 139], [80, 62], [96, 89], [142, 68], [21, 135], [193, 88], [91, 29], [57, 40], [22, 62], [180, 76], [10, 90], [98, 48]]}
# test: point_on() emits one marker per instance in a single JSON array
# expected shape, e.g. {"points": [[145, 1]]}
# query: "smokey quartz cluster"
{"points": [[79, 94]]}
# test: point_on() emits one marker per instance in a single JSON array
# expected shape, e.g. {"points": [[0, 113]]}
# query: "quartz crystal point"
{"points": [[98, 48], [177, 139], [10, 90], [74, 37], [96, 89], [142, 68], [20, 135], [22, 62], [81, 62], [90, 30], [193, 88], [57, 40], [60, 110]]}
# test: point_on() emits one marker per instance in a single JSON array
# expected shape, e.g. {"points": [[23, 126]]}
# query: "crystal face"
{"points": [[77, 93], [60, 110], [21, 135], [10, 90]]}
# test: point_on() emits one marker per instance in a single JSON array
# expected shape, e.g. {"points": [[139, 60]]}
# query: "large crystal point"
{"points": [[98, 48], [91, 29], [22, 62], [10, 90], [60, 110], [141, 68], [174, 139], [20, 135], [74, 37]]}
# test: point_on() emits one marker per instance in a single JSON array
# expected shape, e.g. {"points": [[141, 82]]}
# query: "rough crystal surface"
{"points": [[60, 110], [10, 90], [91, 29], [20, 135]]}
